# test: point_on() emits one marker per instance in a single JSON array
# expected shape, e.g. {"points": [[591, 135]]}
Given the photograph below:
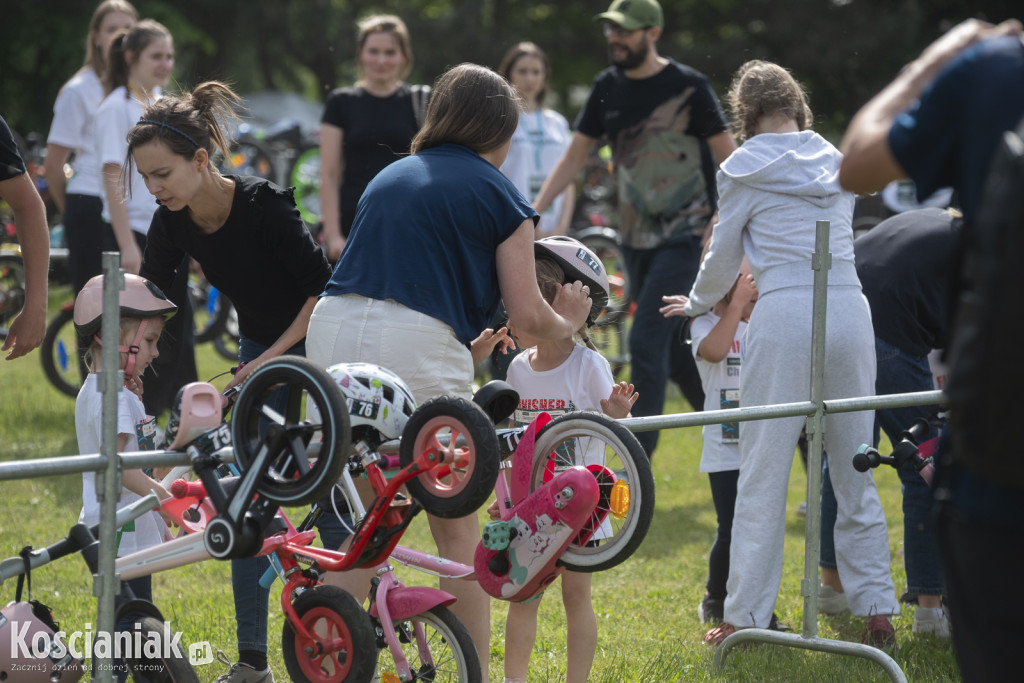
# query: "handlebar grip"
{"points": [[181, 488], [866, 458]]}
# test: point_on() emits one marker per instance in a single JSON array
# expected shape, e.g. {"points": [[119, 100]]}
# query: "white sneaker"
{"points": [[831, 602], [933, 620], [242, 673]]}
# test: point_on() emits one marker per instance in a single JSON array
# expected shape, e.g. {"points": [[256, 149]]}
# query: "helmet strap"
{"points": [[132, 350]]}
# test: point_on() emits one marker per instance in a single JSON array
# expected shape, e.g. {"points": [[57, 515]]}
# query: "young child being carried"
{"points": [[558, 377], [144, 308], [717, 340]]}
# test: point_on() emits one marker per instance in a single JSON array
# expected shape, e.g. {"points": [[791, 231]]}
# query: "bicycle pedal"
{"points": [[401, 502], [497, 535]]}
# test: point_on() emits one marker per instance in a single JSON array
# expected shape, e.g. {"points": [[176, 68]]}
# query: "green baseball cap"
{"points": [[634, 14]]}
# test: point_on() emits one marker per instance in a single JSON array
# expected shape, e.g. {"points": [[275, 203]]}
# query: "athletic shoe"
{"points": [[830, 602], [243, 673], [715, 636], [879, 633], [933, 620], [711, 610], [801, 510], [774, 625]]}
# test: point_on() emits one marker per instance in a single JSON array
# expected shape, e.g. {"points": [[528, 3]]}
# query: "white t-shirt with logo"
{"points": [[721, 381], [148, 530]]}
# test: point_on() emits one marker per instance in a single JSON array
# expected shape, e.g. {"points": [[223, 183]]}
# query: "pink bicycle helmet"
{"points": [[579, 263], [378, 400], [140, 298]]}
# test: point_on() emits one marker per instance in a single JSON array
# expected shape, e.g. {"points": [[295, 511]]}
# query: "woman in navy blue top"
{"points": [[439, 238]]}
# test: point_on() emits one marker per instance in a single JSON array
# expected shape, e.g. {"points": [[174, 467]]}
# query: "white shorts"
{"points": [[422, 350]]}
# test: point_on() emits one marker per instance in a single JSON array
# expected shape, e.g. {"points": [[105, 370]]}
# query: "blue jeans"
{"points": [[898, 372], [667, 269], [252, 600]]}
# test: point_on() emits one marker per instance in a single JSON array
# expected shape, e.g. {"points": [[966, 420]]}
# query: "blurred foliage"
{"points": [[842, 50]]}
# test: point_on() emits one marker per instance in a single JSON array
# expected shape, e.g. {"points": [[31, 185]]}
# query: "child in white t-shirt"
{"points": [[559, 377], [717, 340], [144, 308]]}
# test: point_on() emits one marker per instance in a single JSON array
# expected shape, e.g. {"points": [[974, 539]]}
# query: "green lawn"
{"points": [[646, 608]]}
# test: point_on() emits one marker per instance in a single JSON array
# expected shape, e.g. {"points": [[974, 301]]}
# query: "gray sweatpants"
{"points": [[776, 369]]}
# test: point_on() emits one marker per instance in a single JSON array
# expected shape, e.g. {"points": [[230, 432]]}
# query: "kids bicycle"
{"points": [[327, 636]]}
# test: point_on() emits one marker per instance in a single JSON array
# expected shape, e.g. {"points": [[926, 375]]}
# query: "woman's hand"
{"points": [[675, 305], [572, 302]]}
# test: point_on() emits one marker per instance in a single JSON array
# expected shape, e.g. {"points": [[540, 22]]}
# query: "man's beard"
{"points": [[633, 59]]}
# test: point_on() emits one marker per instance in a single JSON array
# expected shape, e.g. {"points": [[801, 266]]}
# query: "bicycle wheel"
{"points": [[611, 338], [304, 176], [340, 622], [59, 353], [618, 461], [248, 157], [226, 343], [272, 403], [604, 242], [436, 645], [170, 665], [210, 308], [438, 424], [12, 291]]}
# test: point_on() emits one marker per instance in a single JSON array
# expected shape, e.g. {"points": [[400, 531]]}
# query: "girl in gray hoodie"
{"points": [[773, 189]]}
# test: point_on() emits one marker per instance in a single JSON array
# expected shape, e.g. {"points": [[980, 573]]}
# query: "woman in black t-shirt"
{"points": [[367, 126], [248, 236]]}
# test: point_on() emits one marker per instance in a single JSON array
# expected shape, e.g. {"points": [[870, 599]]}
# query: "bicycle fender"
{"points": [[408, 601], [522, 459]]}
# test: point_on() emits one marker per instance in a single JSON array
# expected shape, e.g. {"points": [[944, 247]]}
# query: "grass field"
{"points": [[646, 608]]}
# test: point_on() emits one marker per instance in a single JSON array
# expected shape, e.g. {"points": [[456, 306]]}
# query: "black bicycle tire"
{"points": [[12, 290], [177, 669], [600, 244], [279, 484], [457, 639], [356, 621], [306, 184], [471, 492], [604, 555], [257, 150], [49, 349], [215, 323], [226, 343]]}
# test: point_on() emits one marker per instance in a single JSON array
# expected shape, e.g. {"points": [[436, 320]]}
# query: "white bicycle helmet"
{"points": [[378, 400], [140, 298], [579, 263]]}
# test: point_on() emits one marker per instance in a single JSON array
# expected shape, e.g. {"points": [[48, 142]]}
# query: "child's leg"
{"points": [[723, 494], [520, 634], [581, 626]]}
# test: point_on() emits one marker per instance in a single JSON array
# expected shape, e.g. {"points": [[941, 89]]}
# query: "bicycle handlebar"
{"points": [[14, 566]]}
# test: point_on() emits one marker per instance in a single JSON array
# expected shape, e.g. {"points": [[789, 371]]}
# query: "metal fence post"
{"points": [[105, 583]]}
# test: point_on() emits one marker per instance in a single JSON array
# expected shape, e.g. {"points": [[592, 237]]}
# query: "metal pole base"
{"points": [[807, 643]]}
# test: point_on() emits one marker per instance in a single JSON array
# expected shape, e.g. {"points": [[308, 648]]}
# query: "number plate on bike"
{"points": [[364, 409], [215, 439]]}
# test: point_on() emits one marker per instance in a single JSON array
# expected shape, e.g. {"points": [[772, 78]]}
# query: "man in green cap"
{"points": [[668, 135]]}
